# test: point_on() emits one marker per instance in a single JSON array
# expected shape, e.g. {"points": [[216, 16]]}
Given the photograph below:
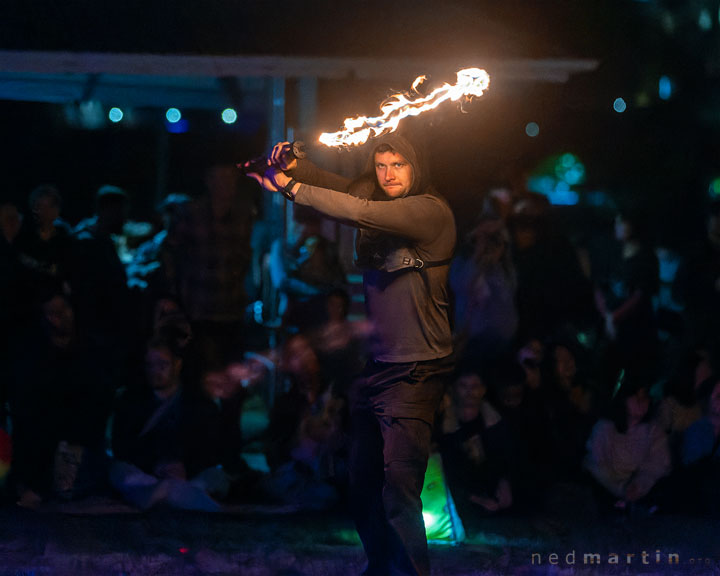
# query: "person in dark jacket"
{"points": [[168, 442], [405, 241]]}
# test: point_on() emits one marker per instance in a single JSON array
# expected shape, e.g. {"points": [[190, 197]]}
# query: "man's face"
{"points": [[469, 390], [45, 211], [565, 365], [394, 174], [637, 405], [60, 316], [162, 371]]}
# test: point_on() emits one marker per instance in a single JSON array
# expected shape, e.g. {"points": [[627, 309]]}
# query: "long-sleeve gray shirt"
{"points": [[409, 309]]}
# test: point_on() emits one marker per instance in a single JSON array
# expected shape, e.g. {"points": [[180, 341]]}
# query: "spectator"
{"points": [[552, 289], [104, 314], [572, 410], [697, 285], [43, 244], [625, 299], [531, 356], [167, 443], [305, 432], [305, 272], [528, 427], [168, 318], [483, 282], [12, 300], [53, 400], [701, 454], [679, 407], [11, 220], [152, 267], [475, 448], [340, 343], [628, 453], [211, 246], [164, 319]]}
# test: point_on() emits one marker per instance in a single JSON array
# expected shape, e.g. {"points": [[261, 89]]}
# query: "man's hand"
{"points": [[272, 179], [283, 156], [281, 159]]}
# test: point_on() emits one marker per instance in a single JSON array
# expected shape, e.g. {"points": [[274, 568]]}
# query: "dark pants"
{"points": [[392, 412]]}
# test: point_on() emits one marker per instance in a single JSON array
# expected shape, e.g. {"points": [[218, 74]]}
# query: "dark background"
{"points": [[659, 153]]}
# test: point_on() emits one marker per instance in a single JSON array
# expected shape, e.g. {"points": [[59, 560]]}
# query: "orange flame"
{"points": [[470, 82]]}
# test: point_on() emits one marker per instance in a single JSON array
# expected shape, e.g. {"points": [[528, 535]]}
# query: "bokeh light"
{"points": [[705, 20], [229, 116], [173, 115], [714, 188], [665, 88], [115, 115], [532, 129]]}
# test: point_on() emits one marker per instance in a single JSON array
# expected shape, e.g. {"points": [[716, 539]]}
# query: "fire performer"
{"points": [[405, 241]]}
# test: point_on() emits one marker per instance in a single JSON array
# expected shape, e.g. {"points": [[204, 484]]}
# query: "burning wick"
{"points": [[470, 82]]}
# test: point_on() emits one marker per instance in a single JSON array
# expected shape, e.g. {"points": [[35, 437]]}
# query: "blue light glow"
{"points": [[179, 127], [664, 88], [557, 191], [563, 198], [229, 116], [619, 105], [173, 115], [556, 177], [705, 20], [115, 115], [532, 129]]}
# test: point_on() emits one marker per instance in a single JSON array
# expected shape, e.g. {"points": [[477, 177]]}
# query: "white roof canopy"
{"points": [[206, 81]]}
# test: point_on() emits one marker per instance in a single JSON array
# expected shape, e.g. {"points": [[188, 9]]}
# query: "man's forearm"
{"points": [[308, 173], [417, 218]]}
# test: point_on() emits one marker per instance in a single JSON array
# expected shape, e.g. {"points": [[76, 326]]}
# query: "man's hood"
{"points": [[366, 186]]}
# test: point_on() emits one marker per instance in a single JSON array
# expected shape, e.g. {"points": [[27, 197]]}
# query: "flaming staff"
{"points": [[470, 82]]}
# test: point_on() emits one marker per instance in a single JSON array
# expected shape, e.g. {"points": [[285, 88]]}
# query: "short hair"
{"points": [[165, 339], [45, 190]]}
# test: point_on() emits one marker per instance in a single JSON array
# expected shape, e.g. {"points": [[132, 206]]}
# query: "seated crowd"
{"points": [[564, 373]]}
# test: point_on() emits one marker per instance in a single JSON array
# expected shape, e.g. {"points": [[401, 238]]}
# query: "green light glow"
{"points": [[714, 188], [442, 524]]}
